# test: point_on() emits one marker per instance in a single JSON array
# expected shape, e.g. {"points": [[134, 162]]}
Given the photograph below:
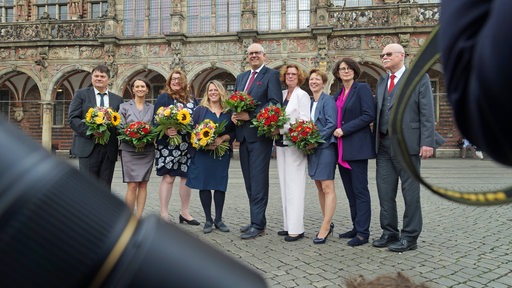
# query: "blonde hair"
{"points": [[222, 93]]}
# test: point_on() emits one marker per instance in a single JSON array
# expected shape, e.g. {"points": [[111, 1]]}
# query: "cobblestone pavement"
{"points": [[460, 246]]}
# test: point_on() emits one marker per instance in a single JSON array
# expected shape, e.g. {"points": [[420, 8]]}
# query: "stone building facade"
{"points": [[47, 50]]}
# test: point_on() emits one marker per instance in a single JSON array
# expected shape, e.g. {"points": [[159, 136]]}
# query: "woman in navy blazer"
{"points": [[356, 110], [322, 163]]}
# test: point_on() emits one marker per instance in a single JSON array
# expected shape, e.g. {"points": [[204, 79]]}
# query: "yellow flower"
{"points": [[184, 116], [99, 119], [116, 119], [88, 115], [206, 133], [203, 142], [167, 112]]}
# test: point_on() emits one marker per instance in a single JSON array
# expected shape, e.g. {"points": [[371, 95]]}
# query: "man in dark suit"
{"points": [[95, 159], [255, 152], [476, 64], [418, 128]]}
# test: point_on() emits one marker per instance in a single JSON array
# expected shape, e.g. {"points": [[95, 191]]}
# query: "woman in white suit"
{"points": [[291, 163]]}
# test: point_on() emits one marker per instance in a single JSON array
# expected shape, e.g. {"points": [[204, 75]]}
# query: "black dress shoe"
{"points": [[384, 240], [246, 228], [221, 226], [282, 233], [193, 222], [403, 245], [348, 234], [356, 241], [289, 238], [252, 233]]}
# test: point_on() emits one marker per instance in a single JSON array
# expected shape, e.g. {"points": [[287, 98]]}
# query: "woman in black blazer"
{"points": [[356, 110]]}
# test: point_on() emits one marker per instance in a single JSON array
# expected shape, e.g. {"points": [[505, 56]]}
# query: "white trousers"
{"points": [[291, 167]]}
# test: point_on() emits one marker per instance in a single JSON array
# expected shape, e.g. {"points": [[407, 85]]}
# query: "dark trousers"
{"points": [[389, 171], [99, 165], [355, 183], [255, 163]]}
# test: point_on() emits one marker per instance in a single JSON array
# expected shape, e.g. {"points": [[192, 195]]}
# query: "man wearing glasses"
{"points": [[261, 83], [418, 128]]}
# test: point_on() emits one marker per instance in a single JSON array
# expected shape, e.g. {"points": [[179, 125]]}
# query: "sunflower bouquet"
{"points": [[137, 134], [269, 119], [304, 135], [98, 121], [241, 102], [205, 133], [173, 116]]}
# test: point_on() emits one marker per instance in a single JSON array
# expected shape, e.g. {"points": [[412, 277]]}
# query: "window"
{"points": [[297, 14], [353, 3], [59, 108], [7, 11], [269, 15], [97, 8], [159, 17], [199, 16], [56, 9], [4, 103], [428, 1], [158, 21], [227, 15]]}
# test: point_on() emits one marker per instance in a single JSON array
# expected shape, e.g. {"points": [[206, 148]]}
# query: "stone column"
{"points": [[46, 135]]}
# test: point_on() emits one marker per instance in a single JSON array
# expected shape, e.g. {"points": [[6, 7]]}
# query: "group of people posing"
{"points": [[353, 125]]}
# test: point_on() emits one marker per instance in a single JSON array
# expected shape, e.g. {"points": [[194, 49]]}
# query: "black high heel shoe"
{"points": [[324, 239], [193, 222]]}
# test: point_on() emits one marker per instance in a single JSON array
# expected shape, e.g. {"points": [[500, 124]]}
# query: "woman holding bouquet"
{"points": [[137, 165], [291, 162], [173, 160], [208, 170], [356, 110], [322, 162]]}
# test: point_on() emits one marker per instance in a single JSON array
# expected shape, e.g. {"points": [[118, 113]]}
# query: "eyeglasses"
{"points": [[389, 54], [255, 53], [290, 74], [344, 69], [175, 79]]}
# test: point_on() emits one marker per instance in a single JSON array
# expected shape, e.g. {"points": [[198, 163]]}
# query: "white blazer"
{"points": [[297, 108]]}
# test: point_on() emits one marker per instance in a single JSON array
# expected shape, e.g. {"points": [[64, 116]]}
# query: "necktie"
{"points": [[102, 102], [391, 82], [253, 75]]}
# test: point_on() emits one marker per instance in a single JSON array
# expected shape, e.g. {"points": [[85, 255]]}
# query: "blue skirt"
{"points": [[322, 163]]}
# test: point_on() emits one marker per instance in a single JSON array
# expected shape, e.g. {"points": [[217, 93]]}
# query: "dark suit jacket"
{"points": [[266, 89], [418, 122], [325, 118], [357, 114], [475, 63], [82, 101]]}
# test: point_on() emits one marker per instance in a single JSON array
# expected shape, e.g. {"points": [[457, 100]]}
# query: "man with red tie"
{"points": [[261, 83], [418, 128]]}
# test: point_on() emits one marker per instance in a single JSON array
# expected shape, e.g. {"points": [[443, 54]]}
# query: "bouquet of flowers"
{"points": [[138, 134], [98, 121], [241, 102], [304, 135], [205, 134], [173, 116], [269, 119]]}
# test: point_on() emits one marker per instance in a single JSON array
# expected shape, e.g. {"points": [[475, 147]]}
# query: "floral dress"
{"points": [[173, 160]]}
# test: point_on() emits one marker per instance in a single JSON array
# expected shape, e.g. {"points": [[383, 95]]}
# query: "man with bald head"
{"points": [[419, 134], [263, 84]]}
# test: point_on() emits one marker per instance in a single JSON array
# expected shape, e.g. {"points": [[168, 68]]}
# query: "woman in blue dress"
{"points": [[173, 161], [207, 172]]}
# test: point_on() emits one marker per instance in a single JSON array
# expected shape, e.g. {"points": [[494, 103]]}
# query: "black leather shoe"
{"points": [[252, 233], [193, 222], [384, 240], [348, 234], [289, 238], [221, 226], [356, 241], [246, 228], [282, 233], [403, 245]]}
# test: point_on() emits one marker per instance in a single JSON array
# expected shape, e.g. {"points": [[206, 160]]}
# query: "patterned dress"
{"points": [[173, 160]]}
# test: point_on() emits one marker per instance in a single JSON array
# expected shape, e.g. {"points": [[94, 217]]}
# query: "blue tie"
{"points": [[102, 102]]}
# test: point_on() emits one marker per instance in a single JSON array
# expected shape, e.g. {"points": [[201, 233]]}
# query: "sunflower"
{"points": [[206, 134], [116, 119], [184, 116], [88, 115], [167, 112], [99, 119], [203, 142]]}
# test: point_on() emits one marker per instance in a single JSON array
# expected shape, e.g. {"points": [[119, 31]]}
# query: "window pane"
{"points": [[234, 15], [63, 12]]}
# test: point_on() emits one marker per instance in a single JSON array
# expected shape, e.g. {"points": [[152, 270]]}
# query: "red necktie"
{"points": [[253, 75], [391, 82]]}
